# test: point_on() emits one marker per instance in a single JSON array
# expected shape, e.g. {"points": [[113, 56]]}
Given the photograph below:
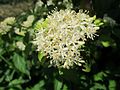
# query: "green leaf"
{"points": [[105, 43], [99, 22], [98, 86], [112, 85], [40, 56], [39, 86], [40, 24], [57, 85], [87, 68], [65, 87], [2, 88], [17, 82], [99, 76], [9, 75], [45, 23], [20, 63], [15, 87], [1, 79]]}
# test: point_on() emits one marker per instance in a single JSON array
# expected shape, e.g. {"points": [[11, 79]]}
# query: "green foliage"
{"points": [[40, 56], [38, 86], [23, 68], [20, 63]]}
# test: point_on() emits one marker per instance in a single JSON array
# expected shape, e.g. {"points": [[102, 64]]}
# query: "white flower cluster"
{"points": [[61, 36], [20, 45], [5, 25], [29, 21]]}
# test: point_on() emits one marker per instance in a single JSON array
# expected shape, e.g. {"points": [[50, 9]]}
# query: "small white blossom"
{"points": [[20, 45], [6, 25], [29, 21], [61, 36]]}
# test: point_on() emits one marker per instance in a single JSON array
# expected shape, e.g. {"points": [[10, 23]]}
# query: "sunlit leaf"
{"points": [[112, 85], [40, 56], [65, 87], [98, 76], [99, 22], [105, 43], [86, 68], [57, 85], [98, 86], [40, 24], [38, 86], [17, 82]]}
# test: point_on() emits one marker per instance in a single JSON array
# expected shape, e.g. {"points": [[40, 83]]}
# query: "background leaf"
{"points": [[57, 85], [20, 63], [39, 86]]}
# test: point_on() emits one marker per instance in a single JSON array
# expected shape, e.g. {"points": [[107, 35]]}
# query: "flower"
{"points": [[6, 25], [29, 21], [61, 36], [20, 45]]}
